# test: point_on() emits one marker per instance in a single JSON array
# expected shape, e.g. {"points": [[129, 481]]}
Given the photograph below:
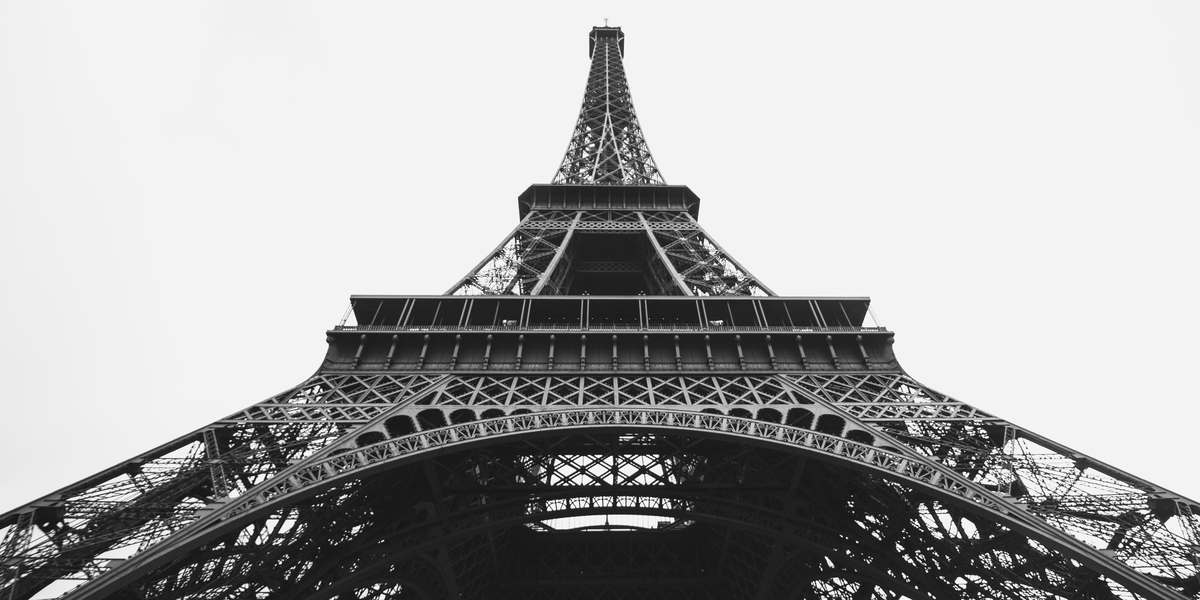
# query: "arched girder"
{"points": [[765, 521], [347, 463]]}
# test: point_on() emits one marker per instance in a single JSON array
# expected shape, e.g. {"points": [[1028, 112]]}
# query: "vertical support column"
{"points": [[662, 256], [558, 254]]}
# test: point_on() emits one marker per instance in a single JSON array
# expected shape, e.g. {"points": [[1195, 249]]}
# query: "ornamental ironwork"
{"points": [[608, 405]]}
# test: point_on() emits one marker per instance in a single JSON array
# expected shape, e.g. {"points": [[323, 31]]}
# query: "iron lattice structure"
{"points": [[607, 146], [608, 406]]}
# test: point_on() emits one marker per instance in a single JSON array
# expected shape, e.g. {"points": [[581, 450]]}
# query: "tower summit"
{"points": [[609, 224], [607, 146], [607, 406]]}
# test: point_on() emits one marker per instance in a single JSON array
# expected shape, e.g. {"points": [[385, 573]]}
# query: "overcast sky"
{"points": [[190, 191]]}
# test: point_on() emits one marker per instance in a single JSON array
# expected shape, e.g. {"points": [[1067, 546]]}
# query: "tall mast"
{"points": [[608, 146]]}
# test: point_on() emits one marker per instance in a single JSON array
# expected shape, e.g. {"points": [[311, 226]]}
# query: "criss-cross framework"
{"points": [[678, 256], [607, 146], [609, 406]]}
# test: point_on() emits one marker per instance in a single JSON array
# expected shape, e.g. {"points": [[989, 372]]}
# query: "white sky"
{"points": [[190, 191]]}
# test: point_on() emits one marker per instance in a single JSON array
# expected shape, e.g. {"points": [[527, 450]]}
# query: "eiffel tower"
{"points": [[608, 406]]}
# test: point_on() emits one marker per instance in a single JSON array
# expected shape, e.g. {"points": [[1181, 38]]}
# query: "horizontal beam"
{"points": [[634, 311]]}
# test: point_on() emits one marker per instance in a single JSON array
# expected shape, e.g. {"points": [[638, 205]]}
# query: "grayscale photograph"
{"points": [[867, 300]]}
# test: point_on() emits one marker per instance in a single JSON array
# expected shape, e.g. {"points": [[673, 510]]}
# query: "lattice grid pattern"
{"points": [[535, 257], [855, 417], [607, 145]]}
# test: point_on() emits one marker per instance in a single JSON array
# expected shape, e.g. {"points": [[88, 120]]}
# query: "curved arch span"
{"points": [[347, 463]]}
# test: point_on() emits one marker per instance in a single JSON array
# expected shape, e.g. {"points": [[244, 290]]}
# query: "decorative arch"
{"points": [[341, 465]]}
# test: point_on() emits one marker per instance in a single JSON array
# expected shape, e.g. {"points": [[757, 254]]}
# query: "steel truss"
{"points": [[539, 441], [536, 257], [784, 535], [336, 429], [607, 145]]}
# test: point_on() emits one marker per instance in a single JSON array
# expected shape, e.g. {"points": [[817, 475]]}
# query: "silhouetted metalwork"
{"points": [[608, 406]]}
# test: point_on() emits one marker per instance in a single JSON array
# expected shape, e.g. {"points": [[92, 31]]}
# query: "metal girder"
{"points": [[530, 259], [830, 545], [705, 266], [1145, 528], [517, 264], [545, 279], [676, 278], [749, 391]]}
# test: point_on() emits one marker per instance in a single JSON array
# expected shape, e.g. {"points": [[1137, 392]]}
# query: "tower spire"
{"points": [[607, 146]]}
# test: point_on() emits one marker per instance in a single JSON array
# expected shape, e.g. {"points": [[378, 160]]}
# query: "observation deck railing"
{"points": [[609, 313], [628, 327]]}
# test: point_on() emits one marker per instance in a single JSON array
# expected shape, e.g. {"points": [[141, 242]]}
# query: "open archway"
{"points": [[608, 510]]}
